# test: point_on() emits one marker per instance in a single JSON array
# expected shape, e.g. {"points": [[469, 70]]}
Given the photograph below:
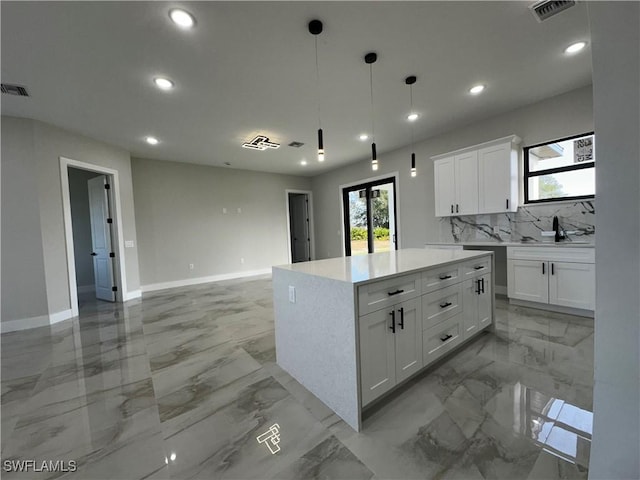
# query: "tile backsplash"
{"points": [[523, 225]]}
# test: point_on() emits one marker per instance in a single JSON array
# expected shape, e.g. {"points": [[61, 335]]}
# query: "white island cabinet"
{"points": [[352, 329]]}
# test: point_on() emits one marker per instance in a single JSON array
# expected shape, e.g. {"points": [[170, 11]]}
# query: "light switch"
{"points": [[128, 244], [292, 294], [239, 210], [224, 211]]}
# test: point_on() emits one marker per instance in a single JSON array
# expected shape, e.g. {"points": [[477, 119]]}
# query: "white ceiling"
{"points": [[249, 68]]}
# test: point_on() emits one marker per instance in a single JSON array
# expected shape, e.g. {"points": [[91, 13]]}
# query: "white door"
{"points": [[466, 183], [408, 338], [101, 238], [527, 280], [572, 285], [495, 179], [299, 224], [445, 186], [377, 354]]}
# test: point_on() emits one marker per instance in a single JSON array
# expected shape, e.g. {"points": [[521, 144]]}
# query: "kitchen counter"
{"points": [[361, 269]]}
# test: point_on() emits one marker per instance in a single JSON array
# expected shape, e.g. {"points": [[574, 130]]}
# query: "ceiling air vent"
{"points": [[14, 90], [296, 144], [549, 8]]}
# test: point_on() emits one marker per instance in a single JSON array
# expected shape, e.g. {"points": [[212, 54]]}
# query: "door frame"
{"points": [[396, 177], [312, 247], [118, 238]]}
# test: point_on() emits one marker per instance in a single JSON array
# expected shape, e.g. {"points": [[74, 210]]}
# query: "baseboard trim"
{"points": [[196, 281], [132, 295], [501, 290], [86, 289], [35, 322], [553, 308]]}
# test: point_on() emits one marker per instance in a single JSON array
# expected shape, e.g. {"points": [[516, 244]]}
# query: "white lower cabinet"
{"points": [[478, 307], [390, 347], [399, 340], [552, 276]]}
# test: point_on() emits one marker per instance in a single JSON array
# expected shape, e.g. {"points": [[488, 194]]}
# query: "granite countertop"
{"points": [[480, 243], [360, 269]]}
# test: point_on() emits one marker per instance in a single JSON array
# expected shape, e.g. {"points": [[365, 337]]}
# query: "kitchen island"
{"points": [[351, 329]]}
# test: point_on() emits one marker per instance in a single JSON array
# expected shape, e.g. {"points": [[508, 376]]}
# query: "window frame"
{"points": [[579, 166]]}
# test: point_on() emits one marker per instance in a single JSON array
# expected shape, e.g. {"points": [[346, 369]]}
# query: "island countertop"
{"points": [[361, 269]]}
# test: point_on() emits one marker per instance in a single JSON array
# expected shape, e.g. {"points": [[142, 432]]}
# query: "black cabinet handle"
{"points": [[446, 337], [401, 310], [444, 277], [445, 305], [478, 286], [552, 270], [478, 267], [543, 268], [393, 321], [395, 293], [482, 284], [457, 210], [452, 208], [507, 204]]}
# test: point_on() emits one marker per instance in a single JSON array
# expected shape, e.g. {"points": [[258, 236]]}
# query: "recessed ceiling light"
{"points": [[152, 140], [303, 162], [163, 83], [575, 47], [363, 137], [412, 117], [476, 89], [182, 18]]}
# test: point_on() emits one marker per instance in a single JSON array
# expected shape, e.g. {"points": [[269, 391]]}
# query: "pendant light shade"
{"points": [[315, 29], [410, 80], [370, 59]]}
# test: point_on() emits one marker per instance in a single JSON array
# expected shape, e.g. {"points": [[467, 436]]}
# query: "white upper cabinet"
{"points": [[479, 179]]}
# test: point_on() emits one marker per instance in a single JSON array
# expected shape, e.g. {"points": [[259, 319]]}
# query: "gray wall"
{"points": [[180, 219], [24, 291], [37, 146], [81, 220], [560, 116], [615, 28]]}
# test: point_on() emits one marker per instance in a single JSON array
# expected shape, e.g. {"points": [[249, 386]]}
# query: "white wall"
{"points": [[615, 43], [36, 148], [557, 117], [180, 221]]}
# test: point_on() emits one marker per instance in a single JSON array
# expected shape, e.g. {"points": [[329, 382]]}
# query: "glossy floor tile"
{"points": [[183, 383]]}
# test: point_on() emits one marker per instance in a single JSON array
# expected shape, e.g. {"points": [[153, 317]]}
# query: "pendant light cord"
{"points": [[318, 83], [411, 112], [373, 124]]}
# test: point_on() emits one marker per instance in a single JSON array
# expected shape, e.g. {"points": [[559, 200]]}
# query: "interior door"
{"points": [[370, 217], [101, 238], [299, 226]]}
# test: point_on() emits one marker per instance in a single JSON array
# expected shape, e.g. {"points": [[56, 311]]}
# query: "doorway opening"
{"points": [[92, 229], [370, 220], [300, 226]]}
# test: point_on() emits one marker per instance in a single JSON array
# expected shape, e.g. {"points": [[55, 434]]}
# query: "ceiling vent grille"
{"points": [[14, 90], [549, 8], [296, 144]]}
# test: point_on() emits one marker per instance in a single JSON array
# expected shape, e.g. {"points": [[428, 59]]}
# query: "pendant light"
{"points": [[410, 80], [370, 59], [315, 29]]}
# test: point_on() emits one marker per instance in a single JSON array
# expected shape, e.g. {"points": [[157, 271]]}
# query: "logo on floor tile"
{"points": [[271, 438]]}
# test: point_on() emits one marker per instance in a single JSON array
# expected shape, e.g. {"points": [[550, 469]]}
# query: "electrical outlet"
{"points": [[128, 244], [496, 230], [242, 260], [224, 211], [239, 210], [292, 294], [456, 230], [191, 266]]}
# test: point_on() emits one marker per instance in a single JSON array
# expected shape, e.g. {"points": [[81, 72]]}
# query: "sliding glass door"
{"points": [[370, 217]]}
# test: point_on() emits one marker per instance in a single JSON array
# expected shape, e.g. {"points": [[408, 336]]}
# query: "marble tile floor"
{"points": [[180, 384]]}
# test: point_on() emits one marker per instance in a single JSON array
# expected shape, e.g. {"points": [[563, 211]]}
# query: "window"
{"points": [[563, 169]]}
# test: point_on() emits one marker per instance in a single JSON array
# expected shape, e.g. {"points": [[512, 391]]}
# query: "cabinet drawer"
{"points": [[440, 277], [476, 267], [442, 338], [377, 295], [440, 305]]}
